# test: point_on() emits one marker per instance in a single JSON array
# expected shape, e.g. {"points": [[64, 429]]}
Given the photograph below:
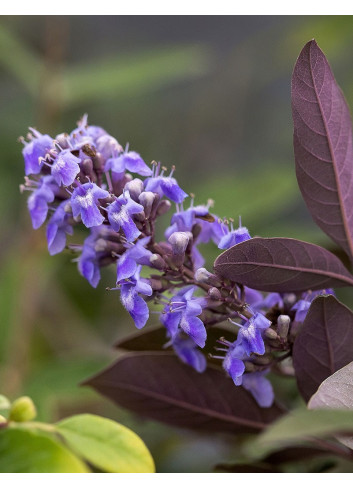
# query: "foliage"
{"points": [[81, 443]]}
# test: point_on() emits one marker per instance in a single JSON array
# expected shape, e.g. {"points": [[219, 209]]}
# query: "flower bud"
{"points": [[270, 334], [135, 187], [157, 262], [163, 207], [179, 241], [283, 323], [62, 140], [214, 294], [22, 409], [202, 275], [289, 300], [147, 199]]}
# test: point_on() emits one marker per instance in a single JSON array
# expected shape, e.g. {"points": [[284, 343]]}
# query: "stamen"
{"points": [[172, 171]]}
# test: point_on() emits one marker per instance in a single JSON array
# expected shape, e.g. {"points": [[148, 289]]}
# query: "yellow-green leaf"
{"points": [[106, 445], [29, 451]]}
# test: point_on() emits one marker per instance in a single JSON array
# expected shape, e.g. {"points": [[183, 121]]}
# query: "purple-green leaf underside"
{"points": [[324, 344], [159, 386], [323, 146], [282, 265]]}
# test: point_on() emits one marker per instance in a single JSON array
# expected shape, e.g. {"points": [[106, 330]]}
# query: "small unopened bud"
{"points": [[62, 140], [289, 300], [157, 262], [283, 323], [202, 275], [179, 241], [156, 284], [163, 207], [135, 187], [22, 409], [270, 334], [146, 199], [214, 294]]}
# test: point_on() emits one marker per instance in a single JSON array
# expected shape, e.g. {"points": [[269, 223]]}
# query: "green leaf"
{"points": [[107, 445], [121, 77], [23, 450], [302, 425]]}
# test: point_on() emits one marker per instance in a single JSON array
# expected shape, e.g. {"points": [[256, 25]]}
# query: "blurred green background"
{"points": [[210, 95]]}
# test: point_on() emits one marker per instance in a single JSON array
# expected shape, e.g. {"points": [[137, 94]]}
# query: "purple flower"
{"points": [[134, 255], [187, 351], [260, 388], [233, 362], [119, 215], [234, 237], [39, 199], [167, 186], [268, 302], [88, 264], [37, 148], [133, 303], [130, 161], [65, 168], [250, 333], [57, 229], [182, 314], [84, 202], [303, 305]]}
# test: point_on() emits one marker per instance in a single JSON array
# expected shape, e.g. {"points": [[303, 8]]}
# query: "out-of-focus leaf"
{"points": [[336, 392], [17, 57], [324, 344], [159, 386], [282, 265], [137, 74], [65, 374], [107, 445], [299, 426], [24, 450], [323, 145]]}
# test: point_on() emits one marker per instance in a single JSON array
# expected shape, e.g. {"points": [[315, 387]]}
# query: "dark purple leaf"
{"points": [[324, 345], [159, 386], [282, 265], [323, 146], [154, 339]]}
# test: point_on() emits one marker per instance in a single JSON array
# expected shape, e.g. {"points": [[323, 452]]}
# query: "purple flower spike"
{"points": [[187, 351], [133, 303], [39, 199], [130, 161], [37, 148], [57, 229], [260, 388], [182, 314], [88, 265], [119, 215], [65, 168], [84, 202], [135, 255]]}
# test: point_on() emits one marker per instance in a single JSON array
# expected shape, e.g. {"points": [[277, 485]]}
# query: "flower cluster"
{"points": [[86, 178]]}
